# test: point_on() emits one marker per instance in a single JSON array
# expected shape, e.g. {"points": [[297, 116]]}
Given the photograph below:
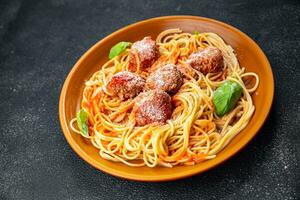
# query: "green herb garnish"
{"points": [[196, 32], [82, 122], [226, 97], [117, 49]]}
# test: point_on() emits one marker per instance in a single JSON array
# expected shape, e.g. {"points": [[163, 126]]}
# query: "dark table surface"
{"points": [[41, 40]]}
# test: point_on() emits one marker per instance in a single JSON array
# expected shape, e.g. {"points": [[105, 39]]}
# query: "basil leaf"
{"points": [[226, 97], [117, 49], [82, 122], [196, 32]]}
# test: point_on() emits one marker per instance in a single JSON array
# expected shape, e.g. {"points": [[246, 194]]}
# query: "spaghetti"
{"points": [[193, 134]]}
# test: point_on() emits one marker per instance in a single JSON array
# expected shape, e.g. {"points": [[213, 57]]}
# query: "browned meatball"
{"points": [[208, 60], [167, 78], [125, 85], [152, 106], [147, 52]]}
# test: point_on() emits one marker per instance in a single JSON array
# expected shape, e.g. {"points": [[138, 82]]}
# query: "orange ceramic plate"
{"points": [[249, 54]]}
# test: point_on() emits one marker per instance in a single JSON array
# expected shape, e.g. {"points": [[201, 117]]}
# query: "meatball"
{"points": [[167, 78], [208, 60], [147, 53], [125, 85], [152, 106]]}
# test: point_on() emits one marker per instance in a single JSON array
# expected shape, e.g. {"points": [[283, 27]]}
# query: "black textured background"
{"points": [[41, 40]]}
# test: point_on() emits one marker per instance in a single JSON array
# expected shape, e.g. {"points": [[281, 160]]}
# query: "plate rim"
{"points": [[158, 178]]}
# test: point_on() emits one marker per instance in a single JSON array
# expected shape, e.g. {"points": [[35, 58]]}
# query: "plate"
{"points": [[249, 54]]}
